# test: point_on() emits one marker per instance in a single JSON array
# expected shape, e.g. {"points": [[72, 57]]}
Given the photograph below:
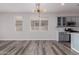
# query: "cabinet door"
{"points": [[58, 21], [61, 21], [66, 37], [64, 21], [77, 21], [63, 36]]}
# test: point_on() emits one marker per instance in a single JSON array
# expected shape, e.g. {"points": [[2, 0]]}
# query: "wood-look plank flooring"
{"points": [[35, 47]]}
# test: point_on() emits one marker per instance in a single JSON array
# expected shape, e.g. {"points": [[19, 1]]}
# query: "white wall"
{"points": [[8, 31]]}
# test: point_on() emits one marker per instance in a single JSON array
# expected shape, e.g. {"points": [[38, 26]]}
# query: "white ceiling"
{"points": [[50, 7]]}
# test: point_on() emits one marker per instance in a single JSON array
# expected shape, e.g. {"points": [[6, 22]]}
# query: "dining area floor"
{"points": [[35, 47]]}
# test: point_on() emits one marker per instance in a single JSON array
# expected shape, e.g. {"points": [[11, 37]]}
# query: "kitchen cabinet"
{"points": [[63, 36], [75, 41], [68, 21], [61, 21]]}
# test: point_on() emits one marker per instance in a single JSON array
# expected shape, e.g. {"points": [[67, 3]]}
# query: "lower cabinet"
{"points": [[63, 36]]}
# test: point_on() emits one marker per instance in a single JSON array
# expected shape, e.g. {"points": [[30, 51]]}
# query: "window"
{"points": [[19, 23], [44, 24], [35, 24], [39, 25]]}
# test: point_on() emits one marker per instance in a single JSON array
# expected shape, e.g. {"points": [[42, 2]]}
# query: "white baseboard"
{"points": [[74, 49], [28, 39]]}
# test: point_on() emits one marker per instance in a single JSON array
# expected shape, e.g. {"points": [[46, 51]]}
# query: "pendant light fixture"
{"points": [[38, 9]]}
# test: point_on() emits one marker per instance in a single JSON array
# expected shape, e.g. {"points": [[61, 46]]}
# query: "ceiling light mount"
{"points": [[62, 4]]}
